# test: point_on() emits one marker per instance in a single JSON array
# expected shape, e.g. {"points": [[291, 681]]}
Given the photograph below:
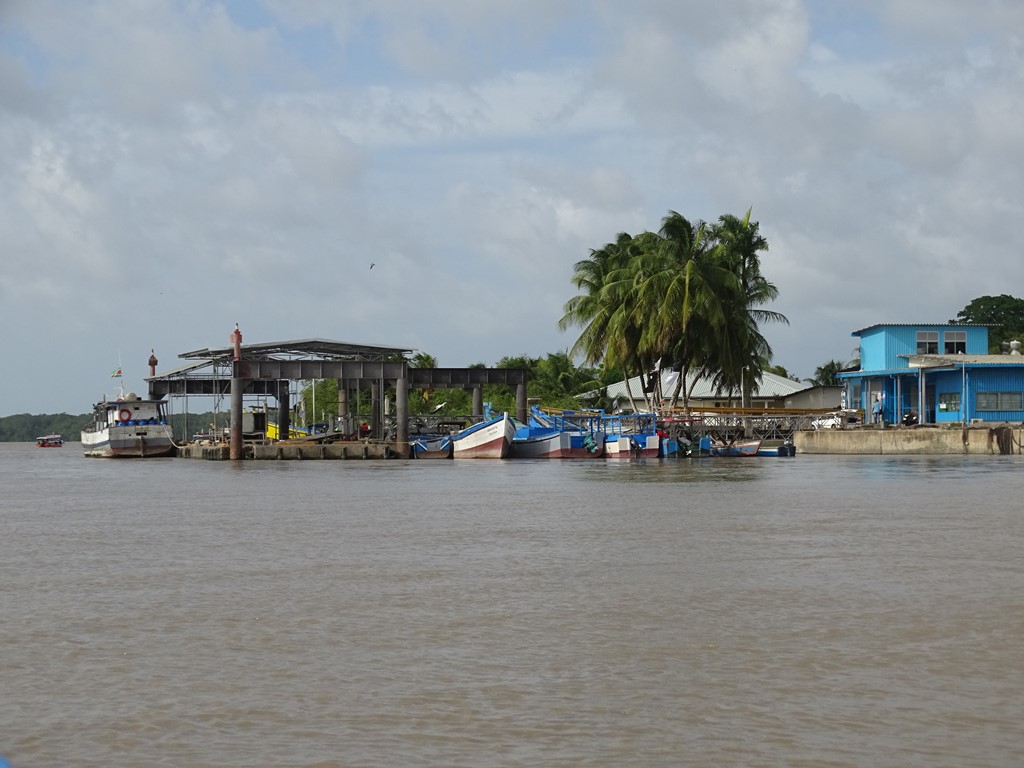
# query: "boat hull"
{"points": [[558, 445], [124, 443], [641, 446], [779, 450], [432, 448], [486, 440], [738, 450], [130, 429]]}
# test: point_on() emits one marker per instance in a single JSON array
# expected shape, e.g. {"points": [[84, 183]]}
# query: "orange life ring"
{"points": [[124, 414]]}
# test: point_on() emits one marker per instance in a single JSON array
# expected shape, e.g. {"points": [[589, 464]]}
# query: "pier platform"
{"points": [[297, 451], [990, 439]]}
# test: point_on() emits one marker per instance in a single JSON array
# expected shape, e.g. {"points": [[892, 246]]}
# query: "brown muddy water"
{"points": [[813, 611]]}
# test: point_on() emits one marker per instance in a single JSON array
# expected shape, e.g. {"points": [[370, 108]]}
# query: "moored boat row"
{"points": [[579, 435]]}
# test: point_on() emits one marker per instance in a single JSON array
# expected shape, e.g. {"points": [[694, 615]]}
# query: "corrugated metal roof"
{"points": [[771, 386], [938, 361], [321, 347], [932, 360], [181, 370], [920, 325]]}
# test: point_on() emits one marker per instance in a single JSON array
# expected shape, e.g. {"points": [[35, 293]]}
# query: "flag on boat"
{"points": [[116, 374]]}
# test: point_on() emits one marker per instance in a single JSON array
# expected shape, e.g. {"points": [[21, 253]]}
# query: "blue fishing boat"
{"points": [[632, 436], [558, 435], [785, 449], [431, 447]]}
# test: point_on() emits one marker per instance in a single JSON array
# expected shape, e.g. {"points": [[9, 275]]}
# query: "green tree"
{"points": [[604, 308], [319, 399], [743, 351], [690, 296], [1003, 314], [423, 360], [780, 370], [682, 297], [827, 374]]}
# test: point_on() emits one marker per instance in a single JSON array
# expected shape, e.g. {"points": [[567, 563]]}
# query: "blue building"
{"points": [[938, 373]]}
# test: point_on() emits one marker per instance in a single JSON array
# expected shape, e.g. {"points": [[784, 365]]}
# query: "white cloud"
{"points": [[168, 167]]}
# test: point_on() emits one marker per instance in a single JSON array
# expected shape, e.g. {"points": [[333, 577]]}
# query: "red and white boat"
{"points": [[487, 440], [49, 441]]}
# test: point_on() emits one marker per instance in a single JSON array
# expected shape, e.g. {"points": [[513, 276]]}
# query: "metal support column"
{"points": [[402, 417], [521, 407], [343, 419], [376, 425], [237, 385], [284, 410]]}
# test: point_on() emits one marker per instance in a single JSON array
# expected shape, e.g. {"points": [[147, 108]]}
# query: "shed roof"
{"points": [[860, 331], [303, 348], [928, 361], [701, 387]]}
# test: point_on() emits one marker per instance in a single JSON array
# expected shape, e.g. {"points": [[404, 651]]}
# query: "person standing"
{"points": [[876, 411]]}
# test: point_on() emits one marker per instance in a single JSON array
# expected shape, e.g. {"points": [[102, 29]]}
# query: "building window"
{"points": [[927, 342], [999, 401], [954, 342], [949, 402]]}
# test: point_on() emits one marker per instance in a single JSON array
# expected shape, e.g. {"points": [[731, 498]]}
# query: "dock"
{"points": [[295, 451]]}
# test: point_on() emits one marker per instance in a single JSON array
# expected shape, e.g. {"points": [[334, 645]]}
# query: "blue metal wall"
{"points": [[882, 345], [1008, 379]]}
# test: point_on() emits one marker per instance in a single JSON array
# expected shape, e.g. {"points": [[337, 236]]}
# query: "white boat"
{"points": [[638, 446], [556, 444], [487, 440], [565, 435], [632, 436], [128, 427]]}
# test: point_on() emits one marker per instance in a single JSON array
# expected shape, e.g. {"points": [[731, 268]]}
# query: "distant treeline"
{"points": [[26, 427]]}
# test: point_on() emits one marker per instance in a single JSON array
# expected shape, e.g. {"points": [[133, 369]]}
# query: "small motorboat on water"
{"points": [[49, 441], [431, 447], [783, 449], [740, 448]]}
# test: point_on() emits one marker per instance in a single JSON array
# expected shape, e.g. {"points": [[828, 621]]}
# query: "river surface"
{"points": [[810, 611]]}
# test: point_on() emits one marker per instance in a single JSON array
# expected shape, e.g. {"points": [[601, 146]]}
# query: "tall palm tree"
{"points": [[680, 295], [743, 351], [603, 308], [690, 296], [826, 375], [423, 360], [598, 278]]}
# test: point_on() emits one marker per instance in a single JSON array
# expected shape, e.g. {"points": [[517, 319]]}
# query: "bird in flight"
{"points": [[372, 263]]}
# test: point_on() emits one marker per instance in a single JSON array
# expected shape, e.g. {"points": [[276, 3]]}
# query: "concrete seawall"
{"points": [[995, 439], [296, 451]]}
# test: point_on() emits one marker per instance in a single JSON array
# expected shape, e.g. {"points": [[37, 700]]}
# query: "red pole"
{"points": [[235, 448]]}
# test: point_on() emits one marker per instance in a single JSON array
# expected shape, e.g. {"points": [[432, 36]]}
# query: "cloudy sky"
{"points": [[169, 168]]}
